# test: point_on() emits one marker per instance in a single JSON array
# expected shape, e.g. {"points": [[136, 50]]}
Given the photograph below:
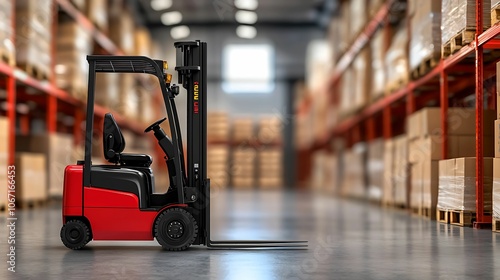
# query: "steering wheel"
{"points": [[155, 124]]}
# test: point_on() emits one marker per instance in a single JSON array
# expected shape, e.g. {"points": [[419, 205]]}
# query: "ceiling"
{"points": [[221, 12]]}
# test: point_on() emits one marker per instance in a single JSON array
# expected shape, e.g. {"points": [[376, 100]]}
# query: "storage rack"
{"points": [[21, 87], [434, 86]]}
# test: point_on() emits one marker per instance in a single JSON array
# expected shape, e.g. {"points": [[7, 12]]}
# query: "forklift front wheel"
{"points": [[75, 234], [175, 229]]}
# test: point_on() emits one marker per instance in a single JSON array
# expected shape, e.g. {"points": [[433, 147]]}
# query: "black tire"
{"points": [[175, 229], [75, 234]]}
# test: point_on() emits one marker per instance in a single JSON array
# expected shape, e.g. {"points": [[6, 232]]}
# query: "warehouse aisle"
{"points": [[348, 240]]}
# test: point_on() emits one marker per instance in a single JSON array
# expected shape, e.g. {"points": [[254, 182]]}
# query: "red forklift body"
{"points": [[102, 207]]}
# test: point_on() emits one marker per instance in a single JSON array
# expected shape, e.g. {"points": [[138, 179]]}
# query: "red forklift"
{"points": [[117, 201]]}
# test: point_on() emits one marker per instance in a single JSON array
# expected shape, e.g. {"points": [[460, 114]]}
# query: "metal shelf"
{"points": [[50, 96], [441, 90]]}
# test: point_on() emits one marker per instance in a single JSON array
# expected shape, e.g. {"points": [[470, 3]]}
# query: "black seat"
{"points": [[114, 144]]}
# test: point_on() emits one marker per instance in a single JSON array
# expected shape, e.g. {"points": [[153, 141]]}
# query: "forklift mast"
{"points": [[192, 75]]}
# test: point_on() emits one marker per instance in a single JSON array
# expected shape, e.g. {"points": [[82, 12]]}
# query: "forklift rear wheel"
{"points": [[75, 234], [175, 229]]}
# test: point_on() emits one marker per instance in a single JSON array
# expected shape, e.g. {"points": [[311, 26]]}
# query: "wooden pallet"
{"points": [[7, 57], [31, 204], [442, 216], [395, 85], [35, 71], [425, 66], [495, 225], [461, 39], [495, 15], [461, 218]]}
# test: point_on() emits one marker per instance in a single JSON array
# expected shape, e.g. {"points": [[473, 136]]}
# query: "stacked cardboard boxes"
{"points": [[73, 44], [345, 26], [142, 40], [362, 86], [242, 130], [218, 149], [396, 60], [326, 177], [496, 160], [457, 184], [375, 169], [388, 182], [270, 154], [97, 13], [425, 40], [121, 27], [358, 16], [395, 174], [426, 138], [243, 168], [270, 168], [4, 151], [269, 130], [217, 165], [107, 92], [58, 151], [401, 170], [347, 100], [128, 97], [7, 52], [354, 180], [31, 174], [80, 4], [459, 16], [217, 127], [33, 37], [495, 11], [377, 65]]}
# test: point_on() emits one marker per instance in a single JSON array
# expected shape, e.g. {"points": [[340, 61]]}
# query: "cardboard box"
{"points": [[498, 90], [243, 182], [430, 147], [497, 138], [496, 188], [430, 184], [57, 149], [142, 42], [457, 184], [97, 14], [461, 121], [401, 171], [31, 183], [416, 189], [388, 183], [270, 183]]}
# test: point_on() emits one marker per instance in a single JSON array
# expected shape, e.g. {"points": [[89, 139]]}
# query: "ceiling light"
{"points": [[159, 5], [171, 18], [246, 17], [179, 32], [246, 31], [246, 4]]}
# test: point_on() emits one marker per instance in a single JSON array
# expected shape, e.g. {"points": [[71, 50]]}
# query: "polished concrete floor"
{"points": [[347, 240]]}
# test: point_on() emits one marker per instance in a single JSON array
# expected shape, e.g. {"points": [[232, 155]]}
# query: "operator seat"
{"points": [[114, 144]]}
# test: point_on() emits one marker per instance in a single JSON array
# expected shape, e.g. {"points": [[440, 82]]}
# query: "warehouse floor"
{"points": [[348, 240]]}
